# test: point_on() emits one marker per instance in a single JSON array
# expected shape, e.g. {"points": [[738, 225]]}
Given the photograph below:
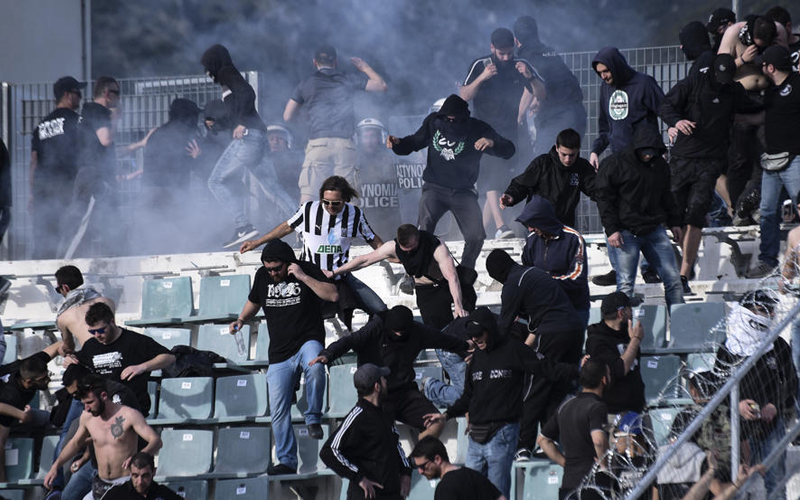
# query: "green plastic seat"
{"points": [[183, 399], [170, 337], [254, 488], [216, 338], [242, 451], [221, 298], [185, 453], [165, 301], [241, 396], [341, 391]]}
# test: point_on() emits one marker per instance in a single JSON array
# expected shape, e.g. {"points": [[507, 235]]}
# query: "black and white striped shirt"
{"points": [[326, 237]]}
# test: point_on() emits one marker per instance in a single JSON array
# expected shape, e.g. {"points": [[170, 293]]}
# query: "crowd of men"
{"points": [[733, 127]]}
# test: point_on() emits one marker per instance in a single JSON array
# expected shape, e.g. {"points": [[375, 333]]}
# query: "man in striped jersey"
{"points": [[328, 226], [366, 447]]}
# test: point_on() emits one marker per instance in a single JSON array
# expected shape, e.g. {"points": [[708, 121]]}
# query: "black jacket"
{"points": [[125, 491], [367, 445], [710, 106], [494, 381], [241, 103], [562, 186], [626, 391], [531, 292], [634, 195], [376, 344], [453, 163]]}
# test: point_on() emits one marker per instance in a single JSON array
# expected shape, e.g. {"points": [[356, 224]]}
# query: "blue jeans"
{"points": [[369, 299], [75, 410], [762, 448], [79, 483], [656, 246], [771, 184], [494, 458], [441, 394], [225, 181], [280, 382]]}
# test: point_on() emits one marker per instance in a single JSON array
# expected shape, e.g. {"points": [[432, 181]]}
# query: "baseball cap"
{"points": [[614, 302], [367, 374], [66, 84], [630, 423], [719, 17], [325, 52], [724, 68], [777, 56], [478, 321]]}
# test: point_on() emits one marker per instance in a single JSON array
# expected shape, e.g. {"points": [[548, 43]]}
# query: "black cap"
{"points": [[367, 374], [480, 320], [724, 68], [778, 56], [718, 18], [613, 302], [66, 84], [325, 53]]}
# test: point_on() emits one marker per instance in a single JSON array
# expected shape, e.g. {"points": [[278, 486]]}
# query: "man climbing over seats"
{"points": [[78, 298], [114, 430]]}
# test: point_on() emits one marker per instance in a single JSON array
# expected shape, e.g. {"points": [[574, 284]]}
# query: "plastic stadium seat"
{"points": [[11, 349], [662, 419], [13, 494], [692, 327], [308, 450], [261, 358], [190, 490], [254, 488], [655, 327], [216, 338], [535, 479], [183, 399], [170, 337], [341, 391], [242, 451], [660, 373], [49, 444], [701, 361], [165, 301], [152, 391], [19, 459], [186, 452], [421, 487], [221, 298], [241, 396]]}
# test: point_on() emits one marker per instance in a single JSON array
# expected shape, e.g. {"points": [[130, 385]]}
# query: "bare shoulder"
{"points": [[104, 300], [793, 239]]}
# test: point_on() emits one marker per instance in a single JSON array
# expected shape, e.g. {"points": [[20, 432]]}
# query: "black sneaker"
{"points": [[280, 470], [685, 283], [241, 235], [608, 279], [315, 431], [761, 270], [651, 276]]}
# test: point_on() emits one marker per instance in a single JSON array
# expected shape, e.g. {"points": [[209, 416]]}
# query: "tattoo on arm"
{"points": [[116, 427]]}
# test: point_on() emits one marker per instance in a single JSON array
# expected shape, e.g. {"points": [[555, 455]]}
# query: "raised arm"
{"points": [[324, 290], [277, 233], [375, 82], [385, 251]]}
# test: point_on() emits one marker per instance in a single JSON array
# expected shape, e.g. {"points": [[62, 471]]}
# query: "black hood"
{"points": [[616, 63], [215, 58], [184, 111], [539, 213], [454, 106], [646, 135], [694, 40]]}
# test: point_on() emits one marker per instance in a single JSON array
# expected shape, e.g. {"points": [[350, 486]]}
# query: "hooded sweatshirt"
{"points": [[167, 164], [634, 195], [632, 97], [710, 105], [546, 176], [626, 390], [240, 104], [563, 256], [696, 46], [453, 161]]}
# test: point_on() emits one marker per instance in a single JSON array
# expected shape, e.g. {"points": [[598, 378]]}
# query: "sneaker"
{"points": [[503, 233], [761, 270], [241, 235], [651, 276], [743, 222], [522, 455], [407, 285], [608, 279], [315, 431], [280, 470], [685, 283]]}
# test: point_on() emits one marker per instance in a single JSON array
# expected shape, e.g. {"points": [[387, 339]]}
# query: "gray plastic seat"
{"points": [[221, 298], [242, 451], [165, 301], [19, 459], [308, 450], [536, 479], [254, 488], [216, 338], [261, 358], [694, 327], [341, 392], [241, 396], [190, 490], [182, 399], [170, 337], [186, 452], [660, 374]]}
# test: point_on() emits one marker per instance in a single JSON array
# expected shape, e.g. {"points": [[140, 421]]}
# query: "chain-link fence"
{"points": [[145, 103]]}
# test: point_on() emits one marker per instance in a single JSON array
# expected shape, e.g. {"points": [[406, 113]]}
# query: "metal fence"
{"points": [[145, 104]]}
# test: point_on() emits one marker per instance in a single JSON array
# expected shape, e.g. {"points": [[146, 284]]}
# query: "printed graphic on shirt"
{"points": [[283, 294], [618, 105], [334, 244], [51, 128], [785, 91], [446, 148], [106, 362]]}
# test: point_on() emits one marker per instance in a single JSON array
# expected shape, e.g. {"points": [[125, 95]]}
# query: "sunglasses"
{"points": [[329, 203], [421, 466], [95, 331], [60, 288], [113, 91], [274, 269]]}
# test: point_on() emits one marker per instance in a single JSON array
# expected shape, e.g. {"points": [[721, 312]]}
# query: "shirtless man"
{"points": [[77, 300], [114, 430], [746, 40]]}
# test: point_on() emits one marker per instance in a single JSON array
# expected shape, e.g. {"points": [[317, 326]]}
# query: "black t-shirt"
{"points": [[167, 164], [125, 491], [328, 96], [794, 49], [578, 417], [12, 392], [465, 484], [129, 349], [92, 152], [782, 119], [292, 309], [497, 99], [55, 141]]}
